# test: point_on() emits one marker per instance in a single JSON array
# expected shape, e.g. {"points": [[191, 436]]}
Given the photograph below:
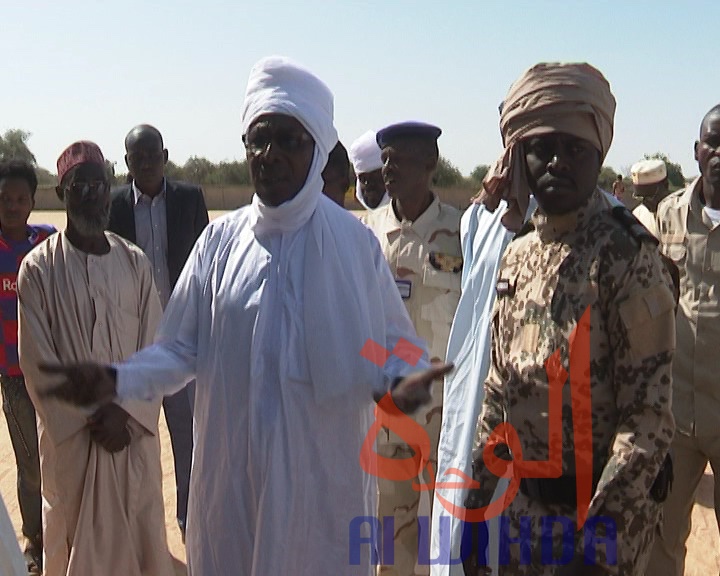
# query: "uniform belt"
{"points": [[562, 490]]}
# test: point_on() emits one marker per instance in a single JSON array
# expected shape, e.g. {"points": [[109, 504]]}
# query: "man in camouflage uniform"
{"points": [[689, 230], [577, 254], [420, 238]]}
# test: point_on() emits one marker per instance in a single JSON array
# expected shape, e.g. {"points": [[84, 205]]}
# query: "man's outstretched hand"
{"points": [[413, 391], [85, 384]]}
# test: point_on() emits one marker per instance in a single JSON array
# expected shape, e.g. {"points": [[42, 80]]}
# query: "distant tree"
{"points": [[230, 173], [13, 144], [110, 169], [45, 178], [198, 170], [446, 174], [478, 174], [173, 171], [606, 178], [674, 170]]}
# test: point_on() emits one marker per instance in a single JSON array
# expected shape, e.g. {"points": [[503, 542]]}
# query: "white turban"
{"points": [[365, 155], [278, 85]]}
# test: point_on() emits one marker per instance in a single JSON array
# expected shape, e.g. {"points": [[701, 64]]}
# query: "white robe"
{"points": [[103, 513], [11, 559], [484, 239], [276, 479]]}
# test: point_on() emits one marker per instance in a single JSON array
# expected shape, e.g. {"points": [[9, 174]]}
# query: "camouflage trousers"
{"points": [[536, 539], [404, 503]]}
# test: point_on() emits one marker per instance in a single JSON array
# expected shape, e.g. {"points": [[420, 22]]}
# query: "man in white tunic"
{"points": [[89, 295], [277, 325]]}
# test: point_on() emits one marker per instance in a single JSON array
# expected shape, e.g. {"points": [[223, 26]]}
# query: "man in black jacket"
{"points": [[163, 218]]}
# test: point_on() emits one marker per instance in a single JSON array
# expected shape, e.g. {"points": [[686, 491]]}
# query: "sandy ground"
{"points": [[703, 545]]}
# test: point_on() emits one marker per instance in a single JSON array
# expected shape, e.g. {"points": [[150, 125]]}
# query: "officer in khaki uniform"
{"points": [[689, 230], [578, 258], [420, 238]]}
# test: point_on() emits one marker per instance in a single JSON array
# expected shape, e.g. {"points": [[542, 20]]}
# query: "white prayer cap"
{"points": [[648, 172], [365, 154], [277, 85]]}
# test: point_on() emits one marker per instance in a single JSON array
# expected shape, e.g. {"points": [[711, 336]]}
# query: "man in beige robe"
{"points": [[89, 295]]}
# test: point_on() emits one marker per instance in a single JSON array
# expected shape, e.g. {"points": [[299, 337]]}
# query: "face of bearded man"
{"points": [[86, 194], [562, 171]]}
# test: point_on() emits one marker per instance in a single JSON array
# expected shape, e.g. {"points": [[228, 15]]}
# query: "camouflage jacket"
{"points": [[548, 278]]}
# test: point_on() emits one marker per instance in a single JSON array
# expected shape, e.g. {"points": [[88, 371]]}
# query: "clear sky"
{"points": [[93, 69]]}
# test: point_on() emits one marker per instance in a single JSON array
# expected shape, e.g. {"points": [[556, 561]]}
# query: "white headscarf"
{"points": [[278, 85], [365, 155]]}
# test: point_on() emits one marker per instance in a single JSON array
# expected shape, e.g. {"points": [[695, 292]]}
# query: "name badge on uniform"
{"points": [[504, 288], [404, 287]]}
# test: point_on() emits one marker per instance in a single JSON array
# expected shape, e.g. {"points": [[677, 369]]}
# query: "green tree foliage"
{"points": [[202, 171], [173, 171], [606, 178], [110, 169], [233, 173], [676, 180], [45, 177], [478, 174], [446, 174], [13, 144]]}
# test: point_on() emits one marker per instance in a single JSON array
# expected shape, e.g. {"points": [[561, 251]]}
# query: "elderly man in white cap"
{"points": [[272, 319], [649, 178], [367, 163]]}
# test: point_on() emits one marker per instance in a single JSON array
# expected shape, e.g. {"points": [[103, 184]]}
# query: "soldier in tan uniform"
{"points": [[576, 256], [689, 234], [650, 183], [420, 238]]}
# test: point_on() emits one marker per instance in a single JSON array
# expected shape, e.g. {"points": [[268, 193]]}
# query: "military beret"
{"points": [[407, 129]]}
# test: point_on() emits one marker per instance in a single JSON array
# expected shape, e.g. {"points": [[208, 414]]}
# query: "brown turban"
{"points": [[547, 98]]}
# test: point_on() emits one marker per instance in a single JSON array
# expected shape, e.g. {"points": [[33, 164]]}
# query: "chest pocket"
{"points": [[443, 295]]}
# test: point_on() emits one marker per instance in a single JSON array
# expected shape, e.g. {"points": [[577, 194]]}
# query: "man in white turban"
{"points": [[365, 155], [275, 323]]}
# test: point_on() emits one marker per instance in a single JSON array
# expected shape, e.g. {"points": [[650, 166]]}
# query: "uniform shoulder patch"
{"points": [[504, 287], [526, 229], [446, 262], [630, 223]]}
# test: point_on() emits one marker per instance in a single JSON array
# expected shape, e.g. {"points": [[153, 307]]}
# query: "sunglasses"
{"points": [[259, 141], [88, 187]]}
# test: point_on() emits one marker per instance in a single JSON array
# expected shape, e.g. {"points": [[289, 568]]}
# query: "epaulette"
{"points": [[526, 229], [628, 221]]}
